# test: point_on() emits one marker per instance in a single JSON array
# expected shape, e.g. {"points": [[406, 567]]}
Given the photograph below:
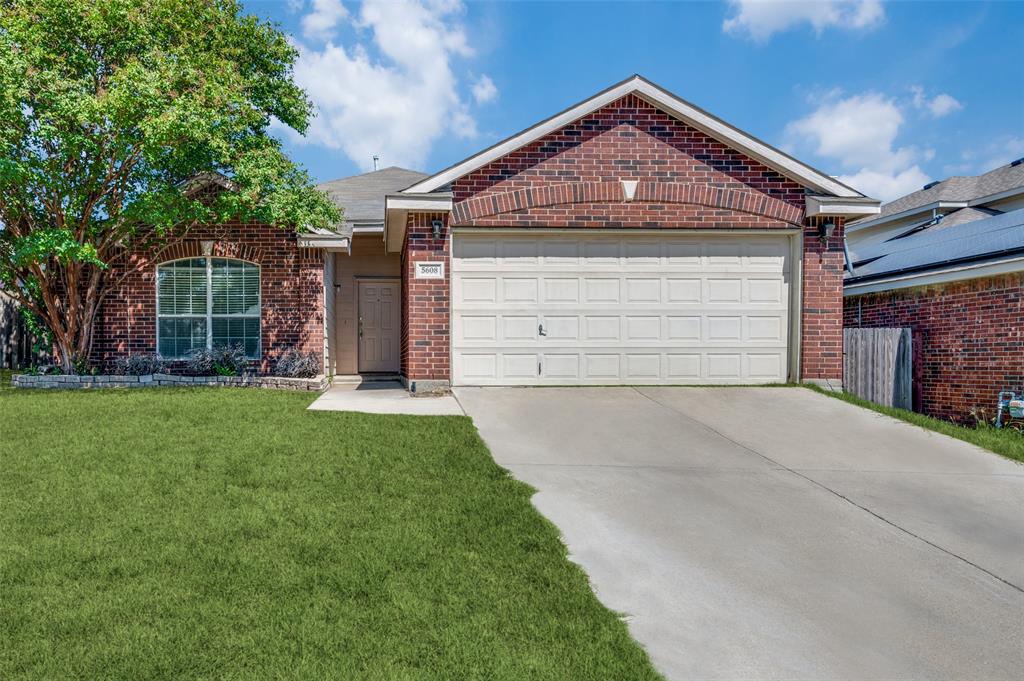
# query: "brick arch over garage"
{"points": [[654, 205]]}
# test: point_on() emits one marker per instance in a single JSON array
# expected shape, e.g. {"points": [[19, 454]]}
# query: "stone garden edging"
{"points": [[318, 384]]}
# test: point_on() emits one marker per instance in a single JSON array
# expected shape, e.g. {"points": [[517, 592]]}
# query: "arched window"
{"points": [[202, 303]]}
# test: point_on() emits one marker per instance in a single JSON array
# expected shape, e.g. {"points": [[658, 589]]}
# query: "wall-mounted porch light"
{"points": [[436, 225], [826, 230]]}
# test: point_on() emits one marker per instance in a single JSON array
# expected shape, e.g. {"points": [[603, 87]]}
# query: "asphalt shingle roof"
{"points": [[361, 197], [958, 188]]}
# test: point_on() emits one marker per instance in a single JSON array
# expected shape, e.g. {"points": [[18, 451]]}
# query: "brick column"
{"points": [[426, 341], [821, 348]]}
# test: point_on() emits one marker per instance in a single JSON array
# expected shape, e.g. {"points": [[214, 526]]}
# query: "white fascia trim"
{"points": [[662, 99], [321, 241], [397, 209], [434, 204], [927, 208], [977, 271], [840, 207], [377, 228]]}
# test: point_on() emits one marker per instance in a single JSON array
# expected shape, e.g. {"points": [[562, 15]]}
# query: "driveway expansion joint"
{"points": [[828, 489]]}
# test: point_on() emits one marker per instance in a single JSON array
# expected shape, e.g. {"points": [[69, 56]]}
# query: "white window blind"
{"points": [[204, 303]]}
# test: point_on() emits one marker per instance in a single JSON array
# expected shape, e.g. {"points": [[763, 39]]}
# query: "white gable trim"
{"points": [[656, 96]]}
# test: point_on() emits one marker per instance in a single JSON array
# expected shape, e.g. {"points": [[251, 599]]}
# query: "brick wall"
{"points": [[572, 178], [291, 291], [971, 338], [426, 343], [821, 349]]}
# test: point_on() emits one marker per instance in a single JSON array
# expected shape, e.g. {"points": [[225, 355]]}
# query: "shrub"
{"points": [[294, 364], [223, 360], [139, 365]]}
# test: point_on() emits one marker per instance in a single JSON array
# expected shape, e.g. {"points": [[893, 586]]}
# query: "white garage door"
{"points": [[602, 310]]}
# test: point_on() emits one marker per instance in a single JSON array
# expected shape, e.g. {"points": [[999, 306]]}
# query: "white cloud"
{"points": [[760, 19], [295, 5], [859, 133], [484, 90], [998, 152], [944, 104], [321, 23], [396, 93], [938, 106]]}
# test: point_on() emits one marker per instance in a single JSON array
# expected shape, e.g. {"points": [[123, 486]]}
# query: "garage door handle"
{"points": [[540, 330]]}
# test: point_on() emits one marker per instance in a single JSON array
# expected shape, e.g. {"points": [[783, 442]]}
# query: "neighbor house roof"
{"points": [[953, 192], [666, 101], [959, 245]]}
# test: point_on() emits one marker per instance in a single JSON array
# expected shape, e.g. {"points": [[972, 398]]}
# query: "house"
{"points": [[632, 238], [947, 261]]}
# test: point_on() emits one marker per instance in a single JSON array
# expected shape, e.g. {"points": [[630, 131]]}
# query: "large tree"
{"points": [[108, 110]]}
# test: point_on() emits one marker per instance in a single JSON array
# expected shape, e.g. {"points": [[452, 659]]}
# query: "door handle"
{"points": [[360, 327], [540, 330]]}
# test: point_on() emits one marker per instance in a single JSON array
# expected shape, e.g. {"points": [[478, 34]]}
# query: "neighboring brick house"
{"points": [[947, 262], [631, 239]]}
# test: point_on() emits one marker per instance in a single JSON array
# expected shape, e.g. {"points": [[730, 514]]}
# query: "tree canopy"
{"points": [[108, 108]]}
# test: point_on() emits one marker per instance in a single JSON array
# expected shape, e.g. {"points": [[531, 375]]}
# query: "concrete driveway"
{"points": [[776, 533]]}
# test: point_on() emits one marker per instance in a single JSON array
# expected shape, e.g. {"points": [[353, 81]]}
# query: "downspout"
{"points": [[846, 256]]}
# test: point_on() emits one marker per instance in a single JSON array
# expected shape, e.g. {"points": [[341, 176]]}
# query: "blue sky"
{"points": [[886, 95]]}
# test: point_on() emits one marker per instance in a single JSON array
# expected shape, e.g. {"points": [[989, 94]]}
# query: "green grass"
{"points": [[1007, 442], [231, 534]]}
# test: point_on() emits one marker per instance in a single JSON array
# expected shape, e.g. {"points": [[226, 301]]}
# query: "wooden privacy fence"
{"points": [[878, 366], [16, 342]]}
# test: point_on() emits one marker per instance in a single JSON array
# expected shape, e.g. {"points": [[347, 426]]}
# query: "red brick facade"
{"points": [[821, 329], [291, 292], [426, 342], [571, 178], [970, 335]]}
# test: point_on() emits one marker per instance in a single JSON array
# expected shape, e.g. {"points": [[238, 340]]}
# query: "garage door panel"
{"points": [[601, 367], [561, 290], [519, 290], [643, 290], [643, 328], [602, 329], [519, 367], [597, 291], [683, 290], [640, 310], [519, 328]]}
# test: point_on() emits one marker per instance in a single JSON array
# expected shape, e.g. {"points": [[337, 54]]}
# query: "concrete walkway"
{"points": [[776, 533], [384, 397]]}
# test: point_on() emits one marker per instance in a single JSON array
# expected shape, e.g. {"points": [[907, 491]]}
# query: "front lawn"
{"points": [[215, 533], [1008, 442]]}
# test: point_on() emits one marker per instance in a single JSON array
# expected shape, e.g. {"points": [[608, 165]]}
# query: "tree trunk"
{"points": [[70, 302]]}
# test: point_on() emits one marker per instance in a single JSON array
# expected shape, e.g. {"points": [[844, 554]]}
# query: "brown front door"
{"points": [[379, 322]]}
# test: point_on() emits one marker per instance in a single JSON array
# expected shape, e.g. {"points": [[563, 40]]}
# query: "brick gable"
{"points": [[628, 139]]}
